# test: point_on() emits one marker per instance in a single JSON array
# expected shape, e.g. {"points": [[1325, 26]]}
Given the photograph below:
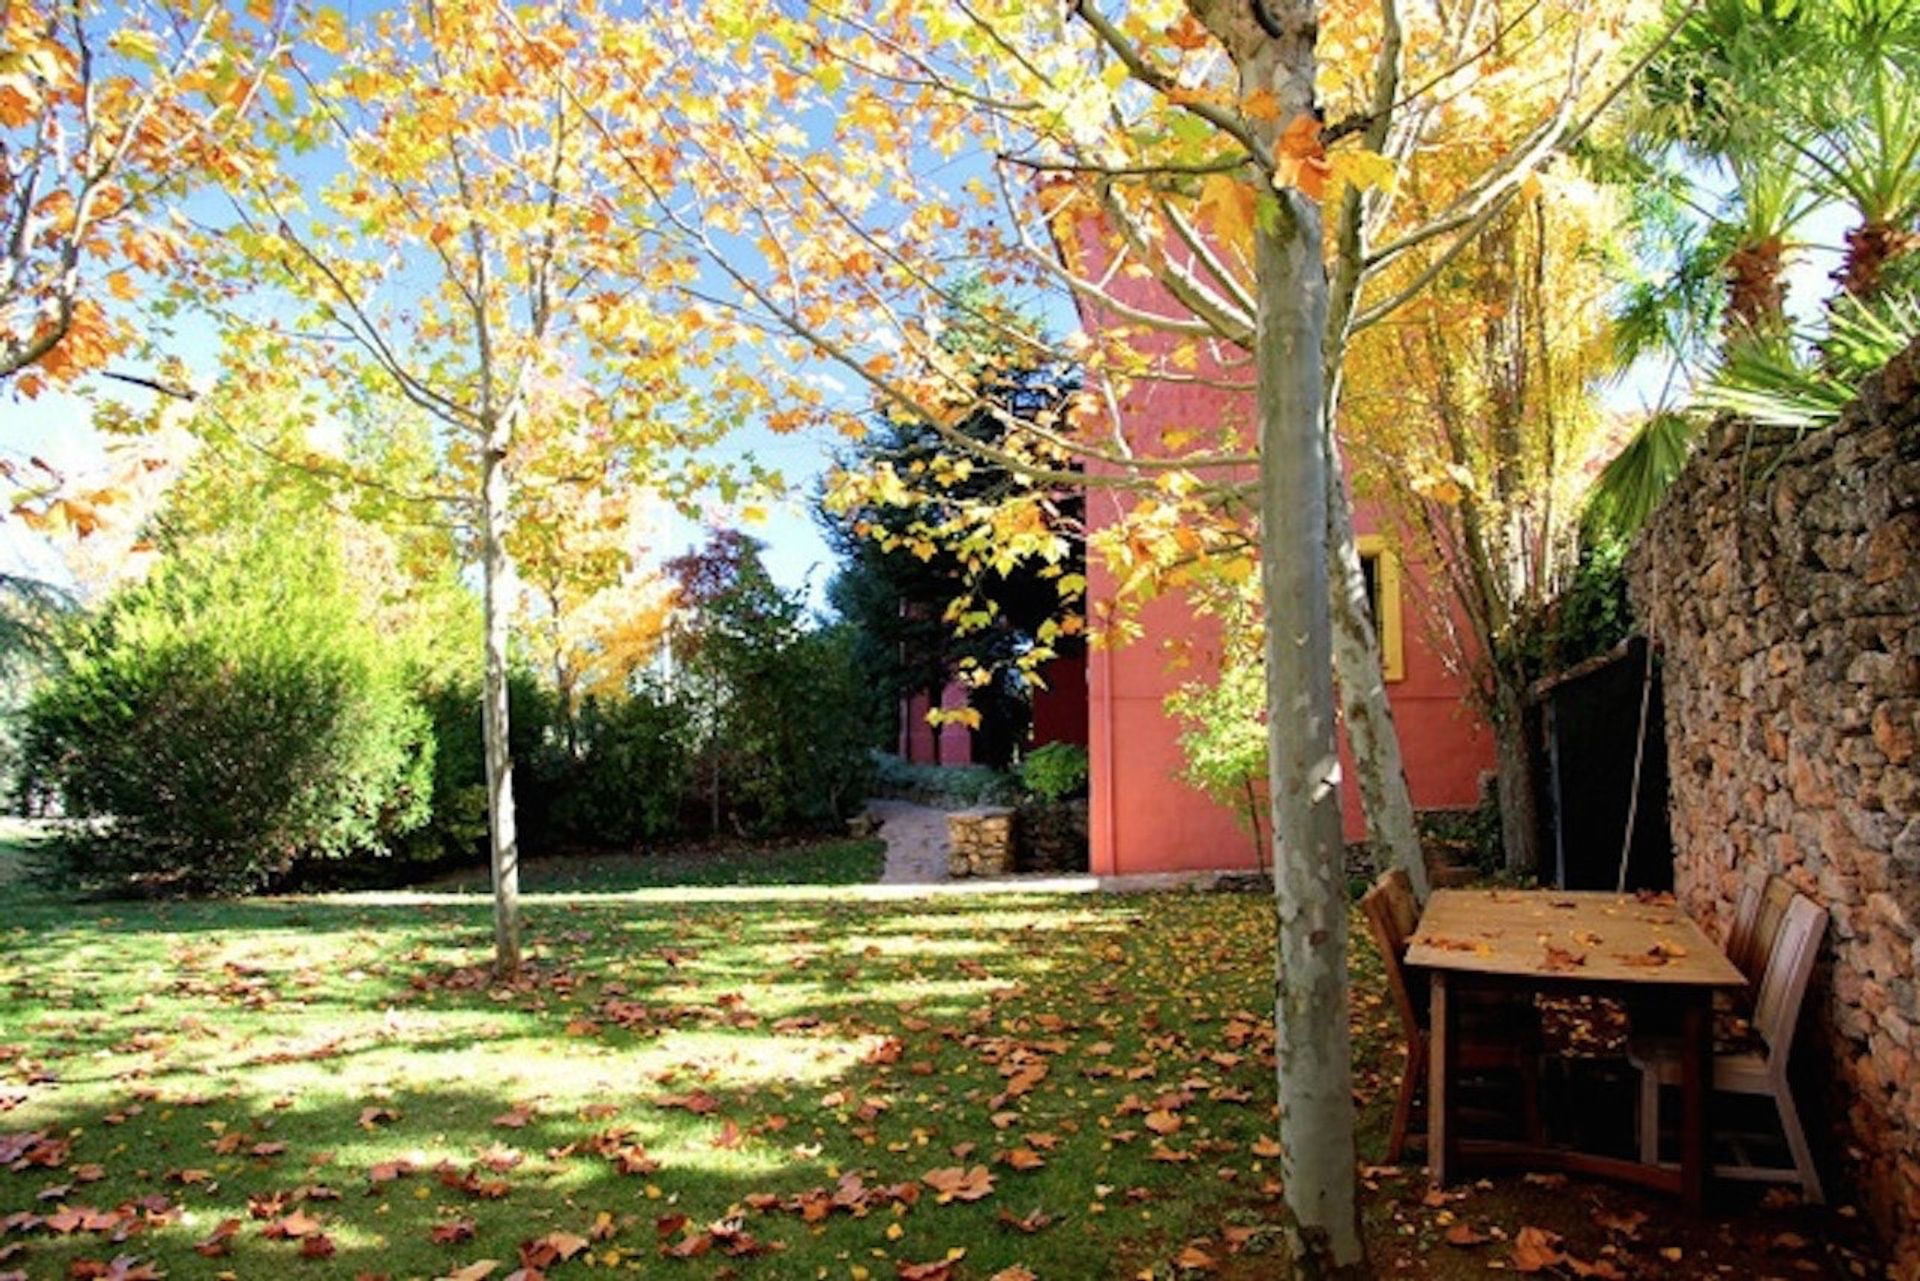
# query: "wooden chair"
{"points": [[1755, 922], [1759, 1068], [1495, 1034]]}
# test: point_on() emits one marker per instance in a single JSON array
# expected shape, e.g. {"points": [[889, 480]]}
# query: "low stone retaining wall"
{"points": [[980, 842], [1787, 606]]}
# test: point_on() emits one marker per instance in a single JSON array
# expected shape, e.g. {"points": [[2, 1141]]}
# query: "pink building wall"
{"points": [[917, 738], [1144, 818]]}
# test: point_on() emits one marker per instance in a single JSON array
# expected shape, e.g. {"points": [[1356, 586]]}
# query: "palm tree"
{"points": [[1854, 109], [1712, 102]]}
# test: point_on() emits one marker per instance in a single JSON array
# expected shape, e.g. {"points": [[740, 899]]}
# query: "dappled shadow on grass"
{"points": [[831, 1036]]}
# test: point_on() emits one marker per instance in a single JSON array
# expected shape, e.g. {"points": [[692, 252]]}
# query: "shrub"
{"points": [[949, 786], [1054, 771], [631, 777], [234, 714]]}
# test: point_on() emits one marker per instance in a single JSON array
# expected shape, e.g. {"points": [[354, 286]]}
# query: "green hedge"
{"points": [[232, 715]]}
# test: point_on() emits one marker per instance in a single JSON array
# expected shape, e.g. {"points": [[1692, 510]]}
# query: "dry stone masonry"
{"points": [[1784, 590], [980, 842]]}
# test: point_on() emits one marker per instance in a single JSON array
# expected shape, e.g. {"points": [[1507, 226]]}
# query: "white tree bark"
{"points": [[1378, 769], [496, 575], [1272, 44]]}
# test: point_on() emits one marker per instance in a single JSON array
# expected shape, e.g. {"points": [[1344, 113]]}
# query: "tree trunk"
{"points": [[1756, 289], [496, 572], [1309, 875], [1871, 248], [1514, 781], [1392, 834]]}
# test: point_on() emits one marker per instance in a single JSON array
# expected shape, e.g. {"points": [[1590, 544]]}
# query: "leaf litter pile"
{"points": [[790, 1085]]}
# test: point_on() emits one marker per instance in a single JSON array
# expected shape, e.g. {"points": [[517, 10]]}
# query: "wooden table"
{"points": [[1567, 944]]}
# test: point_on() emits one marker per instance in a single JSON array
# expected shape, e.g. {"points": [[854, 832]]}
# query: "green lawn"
{"points": [[818, 863], [204, 1062], [776, 1082]]}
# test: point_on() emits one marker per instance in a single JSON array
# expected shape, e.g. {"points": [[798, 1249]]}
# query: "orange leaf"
{"points": [[1299, 159], [1534, 1250]]}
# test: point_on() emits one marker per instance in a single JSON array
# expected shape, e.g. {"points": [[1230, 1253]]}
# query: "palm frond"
{"points": [[1632, 484]]}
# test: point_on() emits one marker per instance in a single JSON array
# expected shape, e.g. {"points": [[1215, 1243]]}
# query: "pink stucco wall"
{"points": [[1144, 819], [917, 738]]}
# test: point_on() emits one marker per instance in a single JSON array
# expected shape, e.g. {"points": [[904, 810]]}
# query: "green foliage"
{"points": [[1592, 614], [1223, 739], [629, 782], [1795, 388], [1633, 482], [947, 786], [774, 702], [232, 716], [1054, 771], [31, 613]]}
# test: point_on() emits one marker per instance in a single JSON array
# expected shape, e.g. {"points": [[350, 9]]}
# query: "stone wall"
{"points": [[980, 842], [1784, 590]]}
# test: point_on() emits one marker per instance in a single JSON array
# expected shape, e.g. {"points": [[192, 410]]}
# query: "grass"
{"points": [[816, 863], [1106, 1060]]}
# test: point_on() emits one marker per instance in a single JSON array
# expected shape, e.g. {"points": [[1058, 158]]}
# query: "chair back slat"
{"points": [[1773, 910], [1392, 918], [1783, 987], [1746, 920]]}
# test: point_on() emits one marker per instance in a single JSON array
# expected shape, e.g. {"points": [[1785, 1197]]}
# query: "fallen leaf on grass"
{"points": [[452, 1233], [1464, 1234], [1534, 1250], [1194, 1259], [700, 1103], [475, 1271], [216, 1242], [955, 1184], [1627, 1223], [1014, 1273], [388, 1171], [1031, 1224], [292, 1227], [318, 1246], [124, 1267]]}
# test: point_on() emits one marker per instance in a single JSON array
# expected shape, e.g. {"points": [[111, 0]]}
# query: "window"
{"points": [[1382, 571]]}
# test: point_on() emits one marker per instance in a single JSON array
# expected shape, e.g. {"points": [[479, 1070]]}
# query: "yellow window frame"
{"points": [[1386, 578]]}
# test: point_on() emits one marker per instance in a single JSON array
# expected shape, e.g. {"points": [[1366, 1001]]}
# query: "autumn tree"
{"points": [[109, 116], [1483, 442], [1163, 167], [452, 264]]}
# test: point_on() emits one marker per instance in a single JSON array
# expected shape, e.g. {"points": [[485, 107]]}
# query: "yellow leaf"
{"points": [[1227, 204], [330, 31], [120, 285], [1362, 168]]}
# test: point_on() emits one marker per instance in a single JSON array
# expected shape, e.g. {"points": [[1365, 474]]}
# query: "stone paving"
{"points": [[916, 837]]}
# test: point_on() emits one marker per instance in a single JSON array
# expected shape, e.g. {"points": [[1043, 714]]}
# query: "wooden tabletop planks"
{"points": [[1579, 936]]}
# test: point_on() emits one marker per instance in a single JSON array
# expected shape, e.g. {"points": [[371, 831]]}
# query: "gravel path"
{"points": [[916, 837]]}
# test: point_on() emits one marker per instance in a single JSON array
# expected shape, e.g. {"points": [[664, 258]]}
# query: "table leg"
{"points": [[1696, 1091], [1441, 1050]]}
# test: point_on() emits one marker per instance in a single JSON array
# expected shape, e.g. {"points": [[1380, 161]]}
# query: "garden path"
{"points": [[916, 837]]}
